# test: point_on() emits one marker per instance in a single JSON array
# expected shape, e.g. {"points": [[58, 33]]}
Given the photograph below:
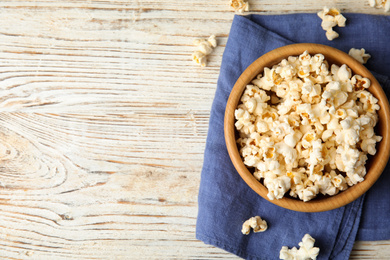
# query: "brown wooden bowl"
{"points": [[375, 164]]}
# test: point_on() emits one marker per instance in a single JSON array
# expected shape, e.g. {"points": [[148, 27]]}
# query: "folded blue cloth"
{"points": [[226, 201]]}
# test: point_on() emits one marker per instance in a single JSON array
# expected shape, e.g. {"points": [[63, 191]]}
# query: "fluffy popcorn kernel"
{"points": [[331, 35], [239, 5], [360, 83], [385, 4], [340, 182], [288, 254], [306, 250], [256, 223], [359, 55], [331, 18], [305, 137], [368, 145], [205, 47], [326, 186], [277, 186], [308, 193], [331, 15]]}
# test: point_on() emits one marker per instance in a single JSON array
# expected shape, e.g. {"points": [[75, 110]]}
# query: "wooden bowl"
{"points": [[375, 164]]}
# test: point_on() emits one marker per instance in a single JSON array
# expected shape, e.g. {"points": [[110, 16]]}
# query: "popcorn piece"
{"points": [[339, 182], [205, 47], [326, 185], [331, 15], [334, 95], [315, 155], [306, 250], [239, 5], [368, 145], [306, 128], [331, 18], [331, 35], [288, 152], [359, 55], [344, 73], [360, 83], [308, 193], [244, 121], [292, 139], [277, 186], [385, 4], [256, 223], [288, 254]]}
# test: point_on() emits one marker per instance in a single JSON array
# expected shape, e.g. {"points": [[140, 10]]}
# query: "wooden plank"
{"points": [[104, 119]]}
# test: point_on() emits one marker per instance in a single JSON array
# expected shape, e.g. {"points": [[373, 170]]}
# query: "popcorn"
{"points": [[331, 18], [205, 47], [326, 186], [326, 134], [368, 145], [308, 193], [244, 120], [339, 182], [306, 128], [288, 254], [256, 223], [288, 152], [360, 83], [368, 100], [353, 178], [334, 95], [347, 159], [331, 35], [306, 250], [239, 5], [315, 155], [277, 186], [344, 73], [359, 55], [385, 4], [292, 139]]}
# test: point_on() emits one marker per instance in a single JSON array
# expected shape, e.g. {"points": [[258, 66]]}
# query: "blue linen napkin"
{"points": [[225, 200]]}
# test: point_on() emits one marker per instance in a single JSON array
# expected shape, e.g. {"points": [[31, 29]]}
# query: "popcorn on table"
{"points": [[359, 55], [306, 250], [306, 127], [256, 223], [385, 4], [240, 5], [331, 18], [205, 47]]}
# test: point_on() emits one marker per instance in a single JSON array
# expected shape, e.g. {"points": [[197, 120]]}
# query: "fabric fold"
{"points": [[225, 200]]}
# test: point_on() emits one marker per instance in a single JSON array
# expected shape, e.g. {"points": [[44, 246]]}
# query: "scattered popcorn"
{"points": [[256, 223], [385, 4], [307, 127], [331, 18], [331, 35], [205, 47], [359, 55], [240, 5], [306, 250]]}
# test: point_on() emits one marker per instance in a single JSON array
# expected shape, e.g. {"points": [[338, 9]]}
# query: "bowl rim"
{"points": [[379, 161]]}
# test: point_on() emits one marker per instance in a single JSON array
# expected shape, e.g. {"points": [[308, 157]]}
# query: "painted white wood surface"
{"points": [[103, 122]]}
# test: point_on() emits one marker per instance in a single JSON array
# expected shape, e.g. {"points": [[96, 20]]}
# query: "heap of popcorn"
{"points": [[306, 127]]}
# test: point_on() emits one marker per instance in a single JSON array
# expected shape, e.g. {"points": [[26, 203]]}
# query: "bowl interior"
{"points": [[375, 164]]}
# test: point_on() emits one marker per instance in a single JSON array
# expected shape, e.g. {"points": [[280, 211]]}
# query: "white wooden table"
{"points": [[103, 123]]}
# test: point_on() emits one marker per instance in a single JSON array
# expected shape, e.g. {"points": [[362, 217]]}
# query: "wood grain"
{"points": [[104, 119]]}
